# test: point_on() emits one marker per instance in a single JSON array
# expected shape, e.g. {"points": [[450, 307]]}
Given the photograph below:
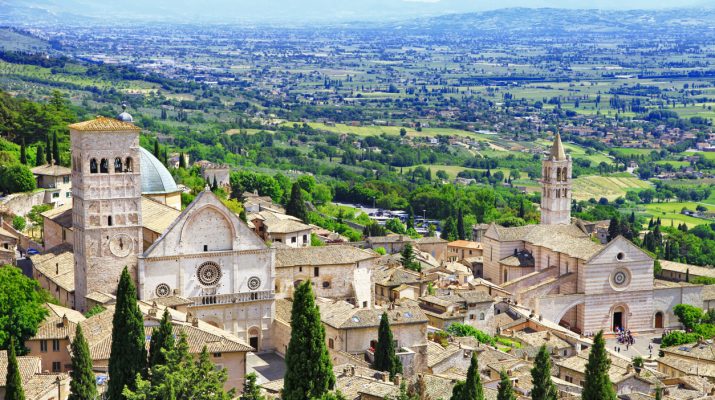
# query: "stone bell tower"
{"points": [[106, 210], [556, 186]]}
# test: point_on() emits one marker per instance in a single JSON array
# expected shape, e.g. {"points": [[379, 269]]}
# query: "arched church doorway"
{"points": [[254, 337], [619, 318], [659, 320]]}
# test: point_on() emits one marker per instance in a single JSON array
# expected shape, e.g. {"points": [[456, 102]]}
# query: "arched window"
{"points": [[93, 166], [128, 167], [481, 316], [117, 164], [104, 166]]}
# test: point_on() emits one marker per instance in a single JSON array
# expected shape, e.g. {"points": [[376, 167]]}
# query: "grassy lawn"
{"points": [[669, 213], [610, 187], [577, 151], [626, 151]]}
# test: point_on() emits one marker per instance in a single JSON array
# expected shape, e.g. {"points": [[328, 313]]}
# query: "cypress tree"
{"points": [[659, 393], [597, 385], [471, 389], [156, 148], [23, 153], [48, 147], [460, 225], [55, 149], [296, 205], [544, 388], [40, 156], [13, 382], [505, 390], [162, 338], [408, 258], [309, 372], [182, 160], [82, 385], [385, 358], [214, 184], [128, 354]]}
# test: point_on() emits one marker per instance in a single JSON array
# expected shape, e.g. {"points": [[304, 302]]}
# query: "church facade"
{"points": [[556, 268], [206, 256]]}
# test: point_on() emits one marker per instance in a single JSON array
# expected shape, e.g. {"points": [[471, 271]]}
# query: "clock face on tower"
{"points": [[121, 245]]}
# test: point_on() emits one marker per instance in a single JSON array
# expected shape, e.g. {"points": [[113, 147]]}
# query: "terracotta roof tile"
{"points": [[322, 255], [104, 124]]}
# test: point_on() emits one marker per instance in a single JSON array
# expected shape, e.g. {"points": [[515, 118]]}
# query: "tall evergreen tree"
{"points": [[385, 357], [214, 184], [48, 148], [461, 234], [156, 149], [449, 231], [128, 353], [82, 385], [182, 160], [543, 387], [505, 389], [13, 380], [55, 149], [614, 228], [40, 156], [659, 393], [23, 153], [471, 389], [296, 204], [162, 340], [597, 385], [408, 258], [309, 371]]}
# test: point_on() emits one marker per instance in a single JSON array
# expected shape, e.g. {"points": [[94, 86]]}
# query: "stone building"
{"points": [[8, 246], [54, 270], [280, 228], [336, 271], [106, 196], [211, 257], [557, 269], [459, 250], [219, 173], [56, 180], [434, 246], [53, 338], [556, 186], [36, 383]]}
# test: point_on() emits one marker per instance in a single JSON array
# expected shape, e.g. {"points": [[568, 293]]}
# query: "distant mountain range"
{"points": [[418, 14]]}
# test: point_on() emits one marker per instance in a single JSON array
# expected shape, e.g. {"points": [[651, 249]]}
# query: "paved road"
{"points": [[268, 366]]}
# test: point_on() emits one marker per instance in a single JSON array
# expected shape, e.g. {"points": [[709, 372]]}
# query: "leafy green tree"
{"points": [[309, 371], [83, 385], [543, 386], [449, 231], [128, 354], [385, 357], [182, 378], [296, 204], [505, 389], [16, 178], [251, 391], [19, 223], [13, 380], [162, 340], [597, 385], [21, 308], [396, 226], [40, 156], [689, 316]]}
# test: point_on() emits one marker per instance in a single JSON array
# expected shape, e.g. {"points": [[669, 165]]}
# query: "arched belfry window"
{"points": [[93, 166], [128, 167], [104, 166], [117, 164]]}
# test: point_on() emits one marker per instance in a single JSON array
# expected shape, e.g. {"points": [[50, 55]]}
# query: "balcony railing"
{"points": [[209, 300]]}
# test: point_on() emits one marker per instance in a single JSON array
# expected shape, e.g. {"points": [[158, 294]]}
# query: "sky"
{"points": [[323, 10]]}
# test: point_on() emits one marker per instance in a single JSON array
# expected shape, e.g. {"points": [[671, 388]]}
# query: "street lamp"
{"points": [[58, 381]]}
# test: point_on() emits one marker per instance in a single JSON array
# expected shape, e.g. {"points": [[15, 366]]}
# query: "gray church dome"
{"points": [[156, 179], [125, 116]]}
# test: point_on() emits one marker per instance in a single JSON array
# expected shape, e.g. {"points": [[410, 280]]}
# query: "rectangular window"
{"points": [[305, 238], [68, 194], [43, 346], [472, 316], [55, 345], [56, 366], [217, 355], [316, 271], [206, 247], [293, 239], [55, 195], [65, 179]]}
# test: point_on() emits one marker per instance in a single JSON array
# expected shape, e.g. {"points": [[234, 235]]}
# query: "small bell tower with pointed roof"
{"points": [[556, 185]]}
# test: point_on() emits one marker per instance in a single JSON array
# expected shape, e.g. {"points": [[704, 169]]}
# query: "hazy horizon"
{"points": [[313, 10]]}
